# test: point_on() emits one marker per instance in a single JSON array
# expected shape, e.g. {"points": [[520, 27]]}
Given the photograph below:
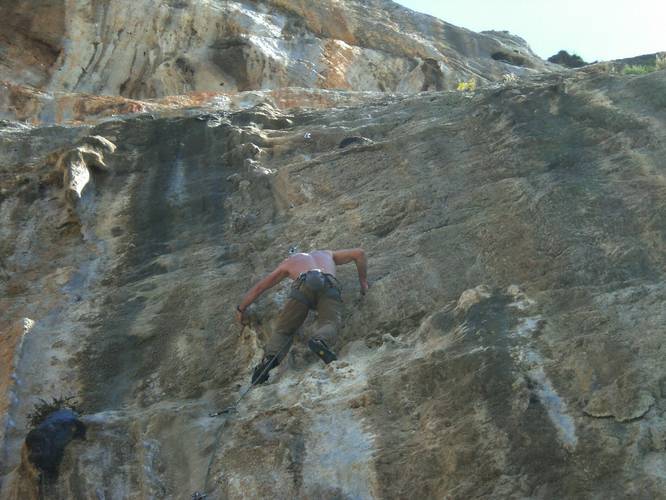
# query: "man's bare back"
{"points": [[321, 260]]}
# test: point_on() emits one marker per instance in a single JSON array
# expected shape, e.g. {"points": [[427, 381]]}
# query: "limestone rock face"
{"points": [[510, 344], [155, 48]]}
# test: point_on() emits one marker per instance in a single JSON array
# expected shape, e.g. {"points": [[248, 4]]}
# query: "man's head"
{"points": [[294, 249]]}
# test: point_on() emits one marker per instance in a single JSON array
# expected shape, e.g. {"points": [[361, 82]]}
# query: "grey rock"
{"points": [[75, 165], [516, 245], [624, 403]]}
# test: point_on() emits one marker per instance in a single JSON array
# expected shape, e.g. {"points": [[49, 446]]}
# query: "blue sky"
{"points": [[594, 29]]}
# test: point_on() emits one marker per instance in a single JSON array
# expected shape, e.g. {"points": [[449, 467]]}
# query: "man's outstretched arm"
{"points": [[358, 256], [264, 284]]}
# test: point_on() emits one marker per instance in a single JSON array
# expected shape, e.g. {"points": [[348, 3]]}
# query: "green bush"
{"points": [[638, 69], [467, 86], [563, 58]]}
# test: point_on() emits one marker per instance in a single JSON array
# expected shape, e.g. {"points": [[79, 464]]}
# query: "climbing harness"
{"points": [[315, 281]]}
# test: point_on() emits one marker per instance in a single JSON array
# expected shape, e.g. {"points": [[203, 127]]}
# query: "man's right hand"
{"points": [[364, 287], [240, 316]]}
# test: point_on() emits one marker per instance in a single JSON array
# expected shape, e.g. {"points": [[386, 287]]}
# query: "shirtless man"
{"points": [[314, 287]]}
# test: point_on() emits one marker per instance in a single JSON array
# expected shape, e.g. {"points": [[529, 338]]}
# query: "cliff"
{"points": [[152, 49], [510, 344]]}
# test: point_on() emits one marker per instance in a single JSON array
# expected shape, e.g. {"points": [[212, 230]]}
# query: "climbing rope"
{"points": [[229, 410]]}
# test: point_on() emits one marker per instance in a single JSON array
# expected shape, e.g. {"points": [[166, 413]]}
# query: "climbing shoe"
{"points": [[320, 348], [260, 372]]}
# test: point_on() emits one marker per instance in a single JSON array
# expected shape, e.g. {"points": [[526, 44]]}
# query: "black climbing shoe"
{"points": [[320, 348], [260, 372]]}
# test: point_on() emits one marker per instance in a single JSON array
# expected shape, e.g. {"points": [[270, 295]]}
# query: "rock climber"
{"points": [[314, 287]]}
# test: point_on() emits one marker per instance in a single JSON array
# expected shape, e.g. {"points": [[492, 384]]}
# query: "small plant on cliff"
{"points": [[44, 408], [509, 78], [563, 58], [660, 61], [467, 86], [638, 69]]}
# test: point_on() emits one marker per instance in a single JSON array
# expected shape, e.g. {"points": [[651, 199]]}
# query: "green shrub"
{"points": [[467, 86], [563, 58], [638, 69]]}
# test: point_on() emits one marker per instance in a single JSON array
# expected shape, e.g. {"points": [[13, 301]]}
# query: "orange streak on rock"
{"points": [[337, 58]]}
